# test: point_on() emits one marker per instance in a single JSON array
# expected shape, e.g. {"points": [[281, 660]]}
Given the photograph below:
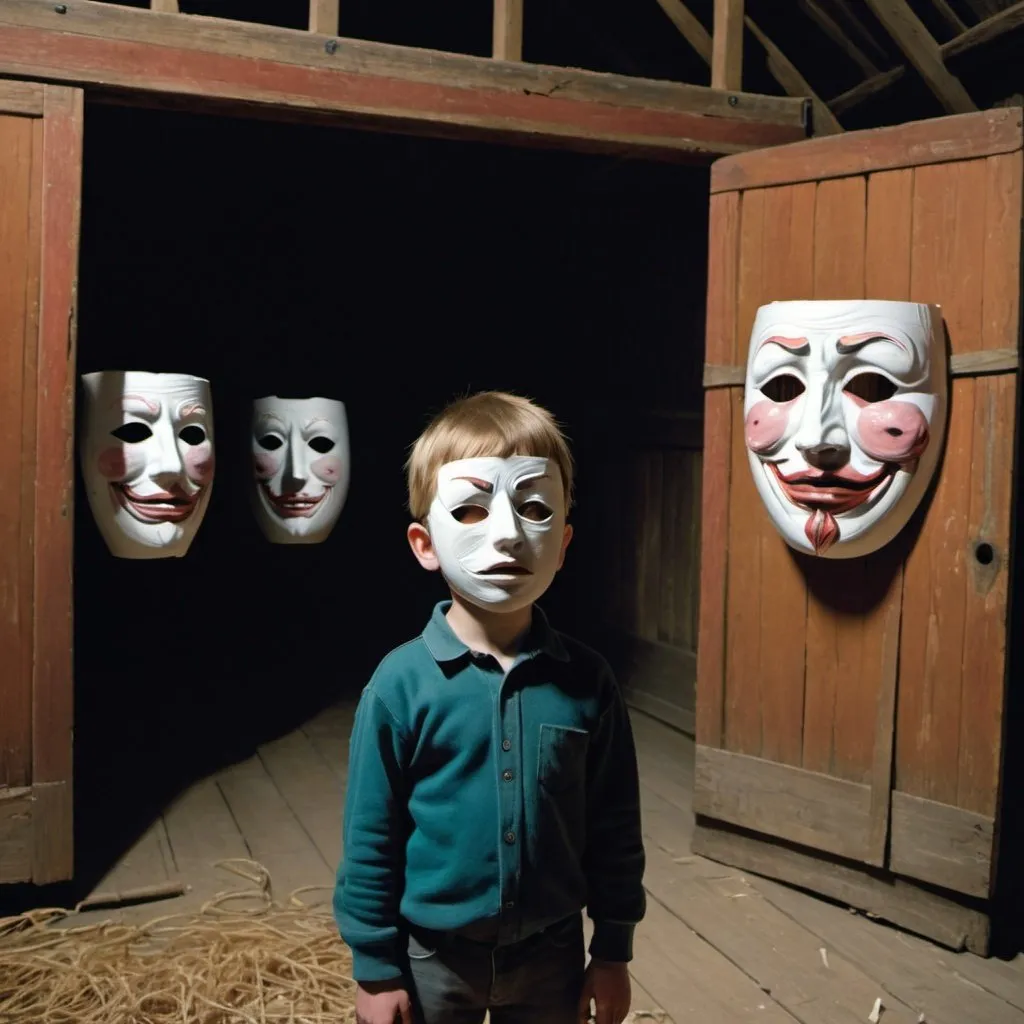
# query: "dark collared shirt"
{"points": [[490, 803]]}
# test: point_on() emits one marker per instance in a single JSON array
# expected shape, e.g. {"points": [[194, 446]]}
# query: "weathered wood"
{"points": [[691, 28], [835, 32], [865, 90], [915, 144], [15, 834], [809, 808], [724, 376], [944, 845], [141, 894], [932, 915], [727, 45], [922, 51], [785, 72], [121, 52], [171, 6], [656, 678], [324, 16], [21, 98], [507, 30], [949, 15], [52, 837], [1006, 20]]}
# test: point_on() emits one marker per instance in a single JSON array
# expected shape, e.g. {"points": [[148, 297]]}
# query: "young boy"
{"points": [[492, 787]]}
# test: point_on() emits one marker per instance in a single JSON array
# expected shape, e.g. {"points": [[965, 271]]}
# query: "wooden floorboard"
{"points": [[715, 946]]}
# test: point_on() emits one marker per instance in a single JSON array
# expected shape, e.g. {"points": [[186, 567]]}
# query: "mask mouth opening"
{"points": [[505, 569]]}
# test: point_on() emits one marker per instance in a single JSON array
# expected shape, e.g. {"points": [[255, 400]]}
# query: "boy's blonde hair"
{"points": [[490, 423]]}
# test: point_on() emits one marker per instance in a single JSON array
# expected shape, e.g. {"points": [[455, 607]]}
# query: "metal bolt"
{"points": [[331, 45], [733, 100], [61, 8]]}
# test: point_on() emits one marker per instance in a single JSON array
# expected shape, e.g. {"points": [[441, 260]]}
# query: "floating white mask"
{"points": [[300, 454], [147, 459], [497, 527], [845, 418]]}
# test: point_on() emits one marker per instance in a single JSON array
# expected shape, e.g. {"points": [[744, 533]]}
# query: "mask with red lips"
{"points": [[300, 455], [147, 459], [844, 418]]}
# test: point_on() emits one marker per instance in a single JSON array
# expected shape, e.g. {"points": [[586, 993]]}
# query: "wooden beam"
{"points": [[324, 16], [866, 89], [985, 31], [507, 30], [786, 74], [923, 52], [164, 6], [693, 31], [949, 16], [845, 16], [727, 48], [126, 54], [835, 32]]}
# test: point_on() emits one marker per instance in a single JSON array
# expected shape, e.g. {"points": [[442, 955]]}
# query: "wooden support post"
{"points": [[835, 32], [949, 16], [507, 39], [690, 26], [164, 6], [921, 50], [323, 17], [727, 45]]}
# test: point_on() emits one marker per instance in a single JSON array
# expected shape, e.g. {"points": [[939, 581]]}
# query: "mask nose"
{"points": [[296, 465], [505, 532], [168, 467], [822, 438]]}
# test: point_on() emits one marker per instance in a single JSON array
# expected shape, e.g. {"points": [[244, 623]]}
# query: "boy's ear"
{"points": [[566, 537], [422, 546]]}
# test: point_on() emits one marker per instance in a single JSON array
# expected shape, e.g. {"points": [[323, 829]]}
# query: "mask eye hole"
{"points": [[192, 434], [321, 444], [783, 388], [535, 511], [132, 433], [269, 442], [871, 387], [469, 514]]}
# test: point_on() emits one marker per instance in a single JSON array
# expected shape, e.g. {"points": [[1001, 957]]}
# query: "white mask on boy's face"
{"points": [[497, 526]]}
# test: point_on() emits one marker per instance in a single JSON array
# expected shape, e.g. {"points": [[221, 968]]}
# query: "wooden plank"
{"points": [[25, 98], [507, 30], [651, 555], [785, 72], [15, 834], [311, 789], [727, 45], [934, 141], [164, 6], [324, 16], [52, 838], [131, 53], [918, 910], [813, 809], [949, 15], [673, 480], [927, 978], [52, 623], [1006, 20], [788, 273], [16, 278], [865, 90], [922, 51], [941, 844]]}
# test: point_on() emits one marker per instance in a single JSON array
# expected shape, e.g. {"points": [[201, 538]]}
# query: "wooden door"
{"points": [[855, 708], [40, 175]]}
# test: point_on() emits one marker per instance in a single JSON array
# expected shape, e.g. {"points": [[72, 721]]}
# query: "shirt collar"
{"points": [[444, 645]]}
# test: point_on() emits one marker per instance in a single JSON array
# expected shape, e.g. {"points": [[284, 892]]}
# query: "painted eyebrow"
{"points": [[314, 421], [150, 403], [189, 408], [521, 485], [481, 485], [800, 345], [852, 342]]}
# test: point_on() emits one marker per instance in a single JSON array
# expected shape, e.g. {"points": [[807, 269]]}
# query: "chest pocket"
{"points": [[563, 758]]}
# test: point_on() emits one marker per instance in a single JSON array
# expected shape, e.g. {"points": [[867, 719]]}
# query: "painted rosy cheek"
{"points": [[327, 468], [264, 466], [199, 463], [892, 431], [120, 463], [766, 423]]}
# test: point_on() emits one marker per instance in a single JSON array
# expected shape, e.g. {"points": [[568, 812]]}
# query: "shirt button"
{"points": [[510, 838], [506, 744], [509, 904], [507, 775]]}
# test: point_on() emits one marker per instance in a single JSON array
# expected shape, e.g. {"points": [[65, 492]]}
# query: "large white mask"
{"points": [[497, 527], [300, 455], [845, 418], [147, 459]]}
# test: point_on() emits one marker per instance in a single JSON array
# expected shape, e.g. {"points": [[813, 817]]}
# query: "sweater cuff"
{"points": [[375, 965], [612, 941]]}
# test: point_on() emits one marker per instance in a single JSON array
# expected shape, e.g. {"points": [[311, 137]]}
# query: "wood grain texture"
{"points": [[507, 30], [934, 141], [764, 796], [727, 45], [323, 16], [54, 489], [24, 98], [15, 835]]}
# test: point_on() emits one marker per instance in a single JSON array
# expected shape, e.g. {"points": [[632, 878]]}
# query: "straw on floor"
{"points": [[243, 958]]}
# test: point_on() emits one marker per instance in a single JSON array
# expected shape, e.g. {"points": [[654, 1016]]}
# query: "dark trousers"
{"points": [[455, 980]]}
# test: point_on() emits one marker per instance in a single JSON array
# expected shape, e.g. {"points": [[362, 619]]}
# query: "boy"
{"points": [[492, 788]]}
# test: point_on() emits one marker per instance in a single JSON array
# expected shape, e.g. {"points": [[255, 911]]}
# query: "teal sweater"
{"points": [[480, 798]]}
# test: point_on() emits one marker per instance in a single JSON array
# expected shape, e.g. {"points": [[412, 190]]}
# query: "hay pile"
{"points": [[242, 959]]}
